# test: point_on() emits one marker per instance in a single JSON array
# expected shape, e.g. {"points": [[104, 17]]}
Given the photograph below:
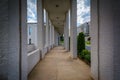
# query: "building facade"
{"points": [[85, 28]]}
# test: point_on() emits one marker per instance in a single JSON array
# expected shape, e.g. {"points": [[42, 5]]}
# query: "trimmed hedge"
{"points": [[80, 42], [82, 52]]}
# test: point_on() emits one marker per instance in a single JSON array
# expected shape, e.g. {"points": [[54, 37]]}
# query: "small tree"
{"points": [[61, 38], [80, 42]]}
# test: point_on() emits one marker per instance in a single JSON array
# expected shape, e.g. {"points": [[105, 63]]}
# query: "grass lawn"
{"points": [[87, 43]]}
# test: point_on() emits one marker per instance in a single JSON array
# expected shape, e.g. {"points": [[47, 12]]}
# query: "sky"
{"points": [[31, 11], [83, 11]]}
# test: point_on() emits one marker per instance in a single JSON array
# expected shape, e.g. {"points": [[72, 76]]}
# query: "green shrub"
{"points": [[87, 58], [83, 53], [80, 42]]}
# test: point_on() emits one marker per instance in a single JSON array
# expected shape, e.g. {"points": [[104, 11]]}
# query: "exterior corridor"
{"points": [[58, 65]]}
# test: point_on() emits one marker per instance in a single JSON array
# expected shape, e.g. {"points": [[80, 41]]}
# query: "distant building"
{"points": [[84, 28]]}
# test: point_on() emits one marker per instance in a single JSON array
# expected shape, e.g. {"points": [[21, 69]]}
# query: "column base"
{"points": [[72, 56]]}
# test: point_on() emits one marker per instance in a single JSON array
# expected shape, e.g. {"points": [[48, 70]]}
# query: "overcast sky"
{"points": [[31, 11], [83, 11]]}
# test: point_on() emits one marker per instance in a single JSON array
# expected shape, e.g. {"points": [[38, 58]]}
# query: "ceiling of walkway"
{"points": [[57, 10]]}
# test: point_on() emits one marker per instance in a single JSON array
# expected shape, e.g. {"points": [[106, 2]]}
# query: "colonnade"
{"points": [[14, 56], [105, 44]]}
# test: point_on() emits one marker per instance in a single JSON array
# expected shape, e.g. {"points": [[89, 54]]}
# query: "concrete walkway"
{"points": [[58, 65]]}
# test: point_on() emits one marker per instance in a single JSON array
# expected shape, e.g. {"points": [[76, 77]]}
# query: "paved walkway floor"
{"points": [[58, 65]]}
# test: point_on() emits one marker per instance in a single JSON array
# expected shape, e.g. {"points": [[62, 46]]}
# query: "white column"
{"points": [[50, 33], [13, 29], [13, 72], [40, 24], [47, 29], [24, 57], [53, 35], [66, 33], [105, 41], [56, 38], [94, 39], [73, 28]]}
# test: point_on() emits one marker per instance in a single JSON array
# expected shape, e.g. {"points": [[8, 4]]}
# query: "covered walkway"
{"points": [[58, 65], [18, 55]]}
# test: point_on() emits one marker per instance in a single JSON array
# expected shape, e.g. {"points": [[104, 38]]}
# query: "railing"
{"points": [[33, 59], [34, 55]]}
